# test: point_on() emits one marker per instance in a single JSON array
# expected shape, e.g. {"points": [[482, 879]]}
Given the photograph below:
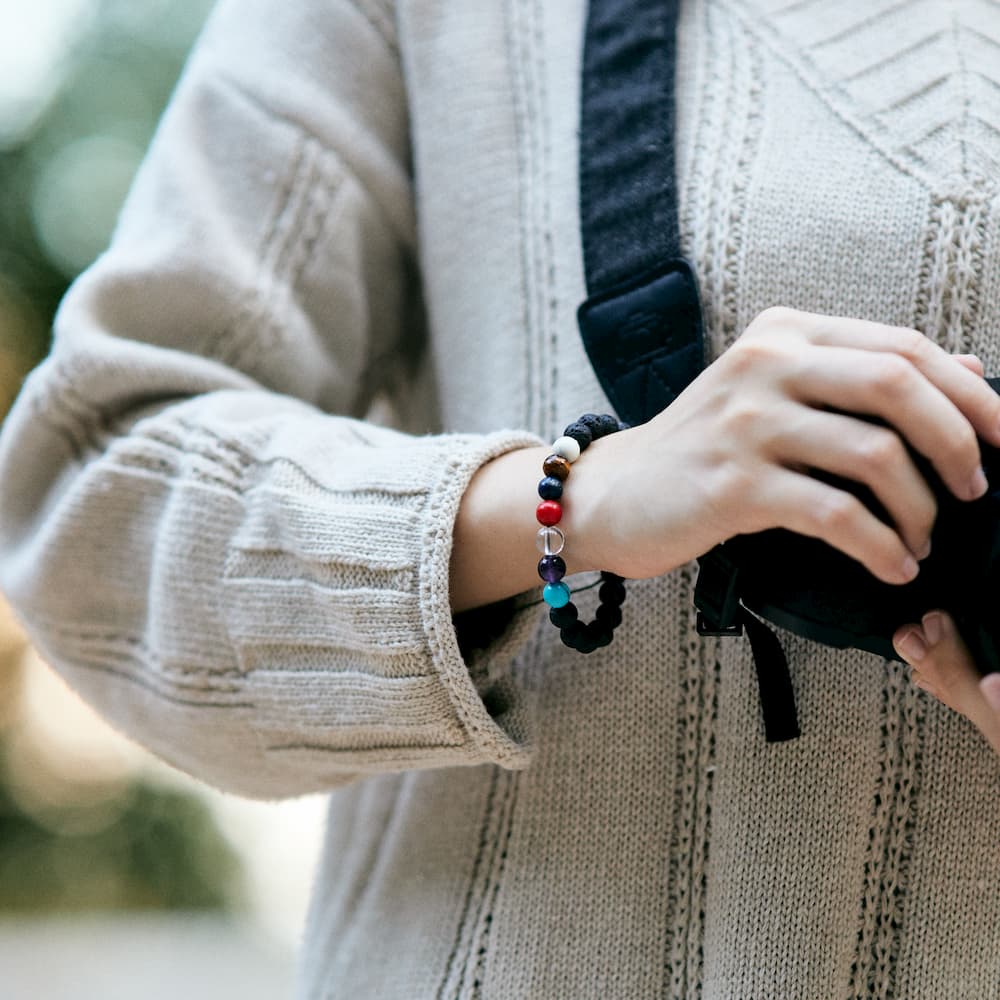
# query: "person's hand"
{"points": [[942, 667], [733, 453]]}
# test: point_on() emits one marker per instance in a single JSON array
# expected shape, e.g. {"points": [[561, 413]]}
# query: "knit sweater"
{"points": [[356, 201]]}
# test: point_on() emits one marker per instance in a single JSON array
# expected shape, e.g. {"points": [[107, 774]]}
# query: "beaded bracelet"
{"points": [[582, 636]]}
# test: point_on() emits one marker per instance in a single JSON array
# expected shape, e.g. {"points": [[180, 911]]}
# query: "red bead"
{"points": [[548, 512]]}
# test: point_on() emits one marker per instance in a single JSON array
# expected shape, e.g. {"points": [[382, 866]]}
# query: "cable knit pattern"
{"points": [[353, 200]]}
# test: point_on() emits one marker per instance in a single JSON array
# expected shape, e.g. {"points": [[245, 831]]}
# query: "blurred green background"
{"points": [[82, 86], [119, 877]]}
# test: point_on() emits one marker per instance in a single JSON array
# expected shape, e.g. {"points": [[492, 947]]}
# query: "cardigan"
{"points": [[358, 207]]}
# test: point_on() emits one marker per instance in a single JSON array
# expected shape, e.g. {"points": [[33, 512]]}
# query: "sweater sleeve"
{"points": [[196, 527]]}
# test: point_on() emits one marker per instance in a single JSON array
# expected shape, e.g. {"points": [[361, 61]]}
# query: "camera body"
{"points": [[811, 589]]}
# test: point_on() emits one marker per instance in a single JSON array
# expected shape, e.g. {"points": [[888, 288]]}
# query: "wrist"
{"points": [[586, 519], [493, 552]]}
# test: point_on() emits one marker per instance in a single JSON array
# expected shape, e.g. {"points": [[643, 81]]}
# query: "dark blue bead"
{"points": [[550, 488], [551, 568]]}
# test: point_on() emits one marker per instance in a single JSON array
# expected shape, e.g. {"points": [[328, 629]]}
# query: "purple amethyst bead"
{"points": [[551, 568]]}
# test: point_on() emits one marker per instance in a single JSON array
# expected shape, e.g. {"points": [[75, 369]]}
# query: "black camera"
{"points": [[807, 587]]}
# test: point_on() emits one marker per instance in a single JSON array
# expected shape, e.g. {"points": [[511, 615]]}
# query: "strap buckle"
{"points": [[716, 595], [707, 627]]}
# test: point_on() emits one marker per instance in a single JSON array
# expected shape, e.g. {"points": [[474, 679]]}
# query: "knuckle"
{"points": [[740, 483], [835, 513], [774, 316], [766, 353], [912, 343], [892, 375], [741, 418], [879, 450]]}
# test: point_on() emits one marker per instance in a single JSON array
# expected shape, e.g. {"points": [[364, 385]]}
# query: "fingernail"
{"points": [[979, 485], [909, 568], [933, 627], [990, 687], [925, 550], [912, 646]]}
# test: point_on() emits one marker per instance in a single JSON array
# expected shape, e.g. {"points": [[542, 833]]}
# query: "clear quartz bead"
{"points": [[550, 541]]}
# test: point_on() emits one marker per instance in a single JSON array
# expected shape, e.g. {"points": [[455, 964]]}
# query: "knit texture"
{"points": [[351, 201]]}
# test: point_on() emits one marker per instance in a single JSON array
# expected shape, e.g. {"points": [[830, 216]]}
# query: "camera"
{"points": [[813, 590]]}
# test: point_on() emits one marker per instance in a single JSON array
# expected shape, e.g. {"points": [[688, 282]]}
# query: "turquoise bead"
{"points": [[556, 595]]}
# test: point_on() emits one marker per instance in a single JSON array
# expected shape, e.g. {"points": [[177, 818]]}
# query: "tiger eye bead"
{"points": [[557, 467]]}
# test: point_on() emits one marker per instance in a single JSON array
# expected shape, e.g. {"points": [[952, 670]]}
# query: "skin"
{"points": [[732, 455]]}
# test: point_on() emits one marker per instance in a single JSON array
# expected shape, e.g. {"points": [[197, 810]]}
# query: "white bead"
{"points": [[567, 447]]}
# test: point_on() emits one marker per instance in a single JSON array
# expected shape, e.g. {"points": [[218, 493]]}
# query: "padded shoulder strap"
{"points": [[641, 323]]}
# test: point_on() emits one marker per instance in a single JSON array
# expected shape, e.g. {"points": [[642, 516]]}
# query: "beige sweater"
{"points": [[349, 201]]}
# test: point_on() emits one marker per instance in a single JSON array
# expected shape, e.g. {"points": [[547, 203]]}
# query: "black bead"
{"points": [[609, 615], [580, 433], [606, 424], [600, 635], [612, 592], [576, 634], [578, 637], [550, 488], [565, 616]]}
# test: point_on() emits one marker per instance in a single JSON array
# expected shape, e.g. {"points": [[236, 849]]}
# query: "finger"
{"points": [[948, 665], [869, 454], [890, 387], [800, 503], [946, 669], [990, 688], [970, 361], [921, 682], [965, 388]]}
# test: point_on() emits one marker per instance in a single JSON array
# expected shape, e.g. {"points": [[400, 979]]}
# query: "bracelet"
{"points": [[584, 637]]}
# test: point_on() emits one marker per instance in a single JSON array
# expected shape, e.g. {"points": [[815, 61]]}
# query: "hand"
{"points": [[733, 453], [944, 669]]}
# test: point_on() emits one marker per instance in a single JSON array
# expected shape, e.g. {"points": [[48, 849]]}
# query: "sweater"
{"points": [[353, 204]]}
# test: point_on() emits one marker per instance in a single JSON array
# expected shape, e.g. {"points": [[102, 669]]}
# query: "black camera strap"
{"points": [[642, 323]]}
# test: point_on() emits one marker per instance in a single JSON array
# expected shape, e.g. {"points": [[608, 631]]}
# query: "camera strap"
{"points": [[641, 323]]}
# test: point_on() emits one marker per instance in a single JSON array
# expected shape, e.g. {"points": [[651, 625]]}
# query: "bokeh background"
{"points": [[119, 877]]}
